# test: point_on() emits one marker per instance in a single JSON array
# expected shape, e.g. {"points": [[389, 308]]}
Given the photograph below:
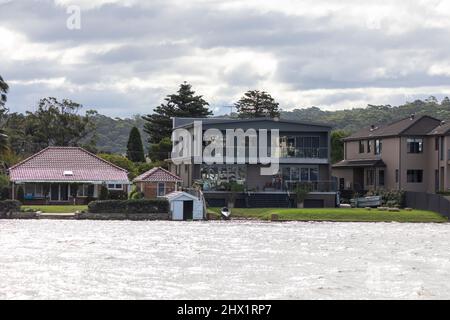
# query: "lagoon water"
{"points": [[47, 259]]}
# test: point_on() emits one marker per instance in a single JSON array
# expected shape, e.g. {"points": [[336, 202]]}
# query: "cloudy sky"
{"points": [[129, 54]]}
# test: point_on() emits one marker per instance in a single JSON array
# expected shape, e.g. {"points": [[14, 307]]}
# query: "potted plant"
{"points": [[301, 192], [235, 188]]}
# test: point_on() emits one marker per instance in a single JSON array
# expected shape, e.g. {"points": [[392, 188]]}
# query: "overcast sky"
{"points": [[129, 54]]}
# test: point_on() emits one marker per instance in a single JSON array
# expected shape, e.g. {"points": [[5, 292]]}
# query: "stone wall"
{"points": [[124, 216]]}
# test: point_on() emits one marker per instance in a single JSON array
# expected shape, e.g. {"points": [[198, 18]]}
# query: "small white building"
{"points": [[185, 206]]}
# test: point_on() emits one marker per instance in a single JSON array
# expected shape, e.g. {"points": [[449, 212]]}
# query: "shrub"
{"points": [[136, 194], [4, 181], [9, 206], [129, 206], [301, 191], [104, 193], [20, 194], [5, 193], [117, 195]]}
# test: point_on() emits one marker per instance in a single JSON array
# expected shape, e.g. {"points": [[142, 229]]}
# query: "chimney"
{"points": [[413, 116], [442, 122], [372, 127]]}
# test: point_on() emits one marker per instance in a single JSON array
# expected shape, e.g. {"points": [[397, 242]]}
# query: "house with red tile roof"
{"points": [[59, 175], [157, 182]]}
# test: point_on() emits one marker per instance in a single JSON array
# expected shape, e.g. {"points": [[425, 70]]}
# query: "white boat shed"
{"points": [[185, 206]]}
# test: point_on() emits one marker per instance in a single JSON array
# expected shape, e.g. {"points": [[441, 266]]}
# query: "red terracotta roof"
{"points": [[158, 175], [51, 164]]}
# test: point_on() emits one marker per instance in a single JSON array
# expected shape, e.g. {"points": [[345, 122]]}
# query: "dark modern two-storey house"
{"points": [[304, 159]]}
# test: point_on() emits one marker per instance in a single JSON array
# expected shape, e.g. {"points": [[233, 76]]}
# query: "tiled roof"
{"points": [[392, 129], [442, 129], [158, 174], [66, 164]]}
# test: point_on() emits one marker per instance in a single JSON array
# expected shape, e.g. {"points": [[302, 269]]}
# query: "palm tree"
{"points": [[3, 91]]}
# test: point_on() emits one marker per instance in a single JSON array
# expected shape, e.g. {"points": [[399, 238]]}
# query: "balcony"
{"points": [[312, 153], [287, 155]]}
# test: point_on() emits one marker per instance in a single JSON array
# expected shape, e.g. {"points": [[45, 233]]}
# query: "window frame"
{"points": [[381, 181], [158, 194], [370, 177], [378, 147], [361, 146], [414, 145], [411, 176], [115, 186]]}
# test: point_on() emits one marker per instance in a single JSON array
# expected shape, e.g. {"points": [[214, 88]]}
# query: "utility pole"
{"points": [[231, 109]]}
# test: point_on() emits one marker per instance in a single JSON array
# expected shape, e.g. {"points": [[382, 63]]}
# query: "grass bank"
{"points": [[334, 214], [55, 209]]}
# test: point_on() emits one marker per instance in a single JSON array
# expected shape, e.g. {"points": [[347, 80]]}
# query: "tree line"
{"points": [[60, 122]]}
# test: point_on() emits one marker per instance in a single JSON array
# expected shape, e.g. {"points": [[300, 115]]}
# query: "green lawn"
{"points": [[55, 209], [335, 214]]}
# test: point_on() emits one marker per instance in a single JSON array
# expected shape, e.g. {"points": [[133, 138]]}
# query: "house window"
{"points": [[414, 176], [304, 174], [161, 189], [85, 190], [370, 177], [34, 190], [396, 176], [441, 150], [378, 146], [361, 146], [368, 146], [414, 145], [314, 174], [381, 178], [115, 186], [436, 143]]}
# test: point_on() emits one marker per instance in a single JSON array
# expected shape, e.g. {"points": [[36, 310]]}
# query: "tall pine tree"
{"points": [[257, 104], [135, 149], [184, 103]]}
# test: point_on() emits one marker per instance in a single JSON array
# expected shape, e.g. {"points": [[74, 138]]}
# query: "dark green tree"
{"points": [[160, 151], [257, 104], [3, 141], [135, 149], [184, 103], [337, 145], [3, 137], [57, 123], [3, 91]]}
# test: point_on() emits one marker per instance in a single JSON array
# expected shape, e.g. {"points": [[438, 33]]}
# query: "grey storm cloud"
{"points": [[129, 54]]}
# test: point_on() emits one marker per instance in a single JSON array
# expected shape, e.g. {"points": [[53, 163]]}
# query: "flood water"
{"points": [[45, 259]]}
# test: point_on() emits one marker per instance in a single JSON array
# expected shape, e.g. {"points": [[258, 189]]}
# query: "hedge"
{"points": [[9, 206], [129, 206]]}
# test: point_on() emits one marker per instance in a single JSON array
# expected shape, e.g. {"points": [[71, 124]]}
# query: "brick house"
{"points": [[65, 175], [157, 182]]}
